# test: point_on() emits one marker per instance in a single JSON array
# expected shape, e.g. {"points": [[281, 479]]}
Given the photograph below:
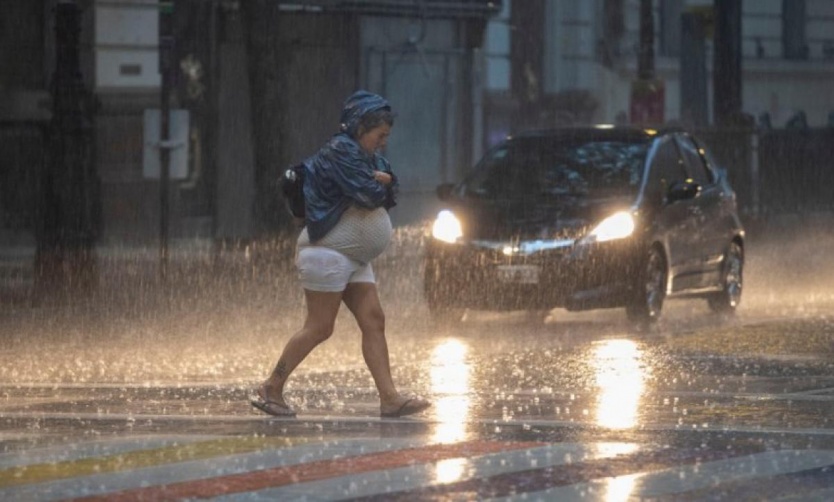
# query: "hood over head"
{"points": [[357, 105]]}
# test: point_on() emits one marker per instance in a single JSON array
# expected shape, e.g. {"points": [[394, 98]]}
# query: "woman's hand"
{"points": [[382, 177]]}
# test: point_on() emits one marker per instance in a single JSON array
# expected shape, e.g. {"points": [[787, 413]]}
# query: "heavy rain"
{"points": [[139, 317]]}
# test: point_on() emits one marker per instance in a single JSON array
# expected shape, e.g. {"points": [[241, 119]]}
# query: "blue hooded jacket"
{"points": [[341, 174]]}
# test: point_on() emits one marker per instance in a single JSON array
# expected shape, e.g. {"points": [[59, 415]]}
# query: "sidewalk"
{"points": [[124, 269], [200, 272]]}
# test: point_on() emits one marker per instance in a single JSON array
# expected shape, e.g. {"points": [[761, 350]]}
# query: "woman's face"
{"points": [[375, 139]]}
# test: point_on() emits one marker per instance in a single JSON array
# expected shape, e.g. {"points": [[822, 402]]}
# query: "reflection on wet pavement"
{"points": [[145, 396], [620, 377], [450, 373]]}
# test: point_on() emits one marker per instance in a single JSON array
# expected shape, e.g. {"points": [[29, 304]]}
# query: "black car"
{"points": [[586, 218]]}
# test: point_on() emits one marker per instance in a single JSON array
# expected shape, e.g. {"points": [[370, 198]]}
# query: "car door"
{"points": [[709, 237], [671, 218]]}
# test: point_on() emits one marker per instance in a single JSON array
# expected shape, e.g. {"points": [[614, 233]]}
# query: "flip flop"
{"points": [[409, 407], [270, 407]]}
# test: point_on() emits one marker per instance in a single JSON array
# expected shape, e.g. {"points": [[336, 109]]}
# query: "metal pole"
{"points": [[166, 56], [754, 173], [694, 106]]}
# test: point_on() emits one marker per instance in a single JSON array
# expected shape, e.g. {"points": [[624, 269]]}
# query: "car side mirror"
{"points": [[683, 190], [444, 191]]}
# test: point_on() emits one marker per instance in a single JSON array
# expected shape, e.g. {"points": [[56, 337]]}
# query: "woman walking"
{"points": [[348, 189]]}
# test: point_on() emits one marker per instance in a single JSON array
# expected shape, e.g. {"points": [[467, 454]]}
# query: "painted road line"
{"points": [[100, 448], [48, 471], [759, 465], [16, 436], [809, 483], [811, 392], [418, 476], [312, 471], [252, 415], [335, 419], [98, 484], [811, 395], [674, 483], [540, 479], [234, 387], [127, 417], [800, 495], [148, 385]]}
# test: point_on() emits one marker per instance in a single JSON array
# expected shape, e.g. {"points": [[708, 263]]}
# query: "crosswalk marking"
{"points": [[422, 475], [307, 450], [311, 471], [99, 448], [136, 459], [673, 482], [537, 479], [236, 468]]}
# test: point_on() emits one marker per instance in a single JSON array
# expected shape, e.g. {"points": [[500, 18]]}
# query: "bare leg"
{"points": [[363, 301], [322, 308]]}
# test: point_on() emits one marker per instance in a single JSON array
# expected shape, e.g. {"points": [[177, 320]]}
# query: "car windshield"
{"points": [[548, 167]]}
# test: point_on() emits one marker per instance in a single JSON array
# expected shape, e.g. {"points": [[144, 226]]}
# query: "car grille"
{"points": [[487, 255]]}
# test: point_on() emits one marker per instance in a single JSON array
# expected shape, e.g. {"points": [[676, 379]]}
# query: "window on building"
{"points": [[794, 41], [613, 28], [497, 50], [670, 27]]}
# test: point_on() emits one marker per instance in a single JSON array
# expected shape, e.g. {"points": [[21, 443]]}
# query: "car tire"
{"points": [[650, 289], [726, 301]]}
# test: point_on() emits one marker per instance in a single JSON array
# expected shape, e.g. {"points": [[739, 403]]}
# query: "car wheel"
{"points": [[728, 299], [650, 290]]}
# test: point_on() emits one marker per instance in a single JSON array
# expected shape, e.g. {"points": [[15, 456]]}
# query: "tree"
{"points": [[68, 194], [268, 105]]}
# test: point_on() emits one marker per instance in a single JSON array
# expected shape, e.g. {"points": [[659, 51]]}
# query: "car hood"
{"points": [[567, 217]]}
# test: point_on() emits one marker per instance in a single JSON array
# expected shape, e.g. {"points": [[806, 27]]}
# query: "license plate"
{"points": [[519, 274]]}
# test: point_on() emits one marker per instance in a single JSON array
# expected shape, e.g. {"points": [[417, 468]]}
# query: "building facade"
{"points": [[590, 52], [261, 83]]}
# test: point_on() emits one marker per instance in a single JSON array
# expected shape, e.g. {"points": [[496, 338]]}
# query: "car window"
{"points": [[665, 169], [706, 155], [693, 161], [551, 167]]}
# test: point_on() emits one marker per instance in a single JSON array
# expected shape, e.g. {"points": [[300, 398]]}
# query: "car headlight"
{"points": [[446, 227], [617, 226]]}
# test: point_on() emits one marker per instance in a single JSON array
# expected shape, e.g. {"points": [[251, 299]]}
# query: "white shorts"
{"points": [[323, 269]]}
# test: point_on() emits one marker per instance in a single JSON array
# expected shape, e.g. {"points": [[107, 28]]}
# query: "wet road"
{"points": [[145, 397]]}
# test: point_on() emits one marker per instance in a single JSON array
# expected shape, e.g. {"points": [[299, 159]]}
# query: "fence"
{"points": [[773, 172], [777, 171]]}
